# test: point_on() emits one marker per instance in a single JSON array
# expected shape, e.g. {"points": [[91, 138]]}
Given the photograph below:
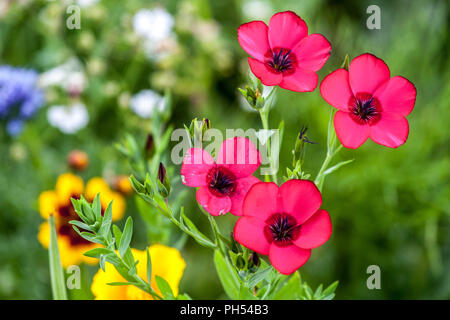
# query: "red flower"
{"points": [[283, 222], [371, 104], [283, 53], [224, 185]]}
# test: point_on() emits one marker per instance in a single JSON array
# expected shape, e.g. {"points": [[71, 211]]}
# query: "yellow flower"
{"points": [[57, 202], [166, 263], [123, 185]]}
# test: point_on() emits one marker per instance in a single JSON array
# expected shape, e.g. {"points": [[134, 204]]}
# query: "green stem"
{"points": [[218, 236], [320, 176], [264, 114], [168, 212]]}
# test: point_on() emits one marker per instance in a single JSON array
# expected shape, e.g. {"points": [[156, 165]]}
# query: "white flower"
{"points": [[257, 9], [155, 24], [146, 102], [87, 3], [155, 28], [68, 119], [68, 76]]}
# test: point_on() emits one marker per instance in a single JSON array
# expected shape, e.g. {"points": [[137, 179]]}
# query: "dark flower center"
{"points": [[221, 182], [67, 213], [282, 229], [281, 60], [365, 109]]}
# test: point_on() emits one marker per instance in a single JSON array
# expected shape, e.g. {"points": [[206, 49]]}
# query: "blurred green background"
{"points": [[390, 207]]}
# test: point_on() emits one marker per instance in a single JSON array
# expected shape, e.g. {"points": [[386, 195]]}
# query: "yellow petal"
{"points": [[103, 291], [118, 206], [98, 185], [166, 263], [67, 186], [48, 203], [44, 234], [94, 186]]}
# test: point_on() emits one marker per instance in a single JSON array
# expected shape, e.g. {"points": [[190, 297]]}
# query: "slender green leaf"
{"points": [[126, 237], [337, 166], [106, 221], [97, 207], [195, 233], [164, 287], [227, 275], [80, 224], [56, 270], [149, 268], [117, 234], [258, 277], [97, 252], [291, 290], [121, 283]]}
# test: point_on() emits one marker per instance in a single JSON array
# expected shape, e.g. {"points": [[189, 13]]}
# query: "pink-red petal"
{"points": [[240, 156], [315, 231], [300, 198], [262, 200], [195, 167], [260, 70], [243, 185], [249, 231], [367, 73], [214, 205], [350, 133], [288, 259], [286, 29], [312, 52], [253, 39], [301, 80], [398, 95], [335, 89], [391, 130]]}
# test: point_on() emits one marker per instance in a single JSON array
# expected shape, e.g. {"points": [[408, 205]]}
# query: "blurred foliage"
{"points": [[389, 207]]}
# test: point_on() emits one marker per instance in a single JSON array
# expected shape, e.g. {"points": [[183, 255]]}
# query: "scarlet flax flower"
{"points": [[222, 185], [370, 103], [283, 222], [283, 52]]}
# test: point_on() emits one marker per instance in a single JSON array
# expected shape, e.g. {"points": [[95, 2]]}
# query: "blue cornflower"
{"points": [[20, 97]]}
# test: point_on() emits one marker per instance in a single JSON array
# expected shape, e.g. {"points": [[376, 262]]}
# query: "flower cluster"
{"points": [[20, 98], [286, 222], [370, 103]]}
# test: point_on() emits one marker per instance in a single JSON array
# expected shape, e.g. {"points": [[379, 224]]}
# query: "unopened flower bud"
{"points": [[253, 260], [148, 186], [163, 181], [136, 185], [78, 160], [206, 122], [240, 262], [149, 146]]}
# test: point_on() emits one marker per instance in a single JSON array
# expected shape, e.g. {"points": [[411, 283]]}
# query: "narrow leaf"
{"points": [[149, 268], [126, 237], [56, 269], [227, 275], [164, 287]]}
